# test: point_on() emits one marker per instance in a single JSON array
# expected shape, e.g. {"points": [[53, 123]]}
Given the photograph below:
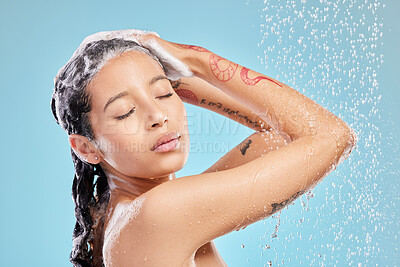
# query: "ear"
{"points": [[84, 149]]}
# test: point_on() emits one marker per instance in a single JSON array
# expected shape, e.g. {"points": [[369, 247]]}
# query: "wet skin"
{"points": [[175, 220]]}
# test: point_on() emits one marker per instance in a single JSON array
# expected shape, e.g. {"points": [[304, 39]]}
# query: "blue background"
{"points": [[351, 218]]}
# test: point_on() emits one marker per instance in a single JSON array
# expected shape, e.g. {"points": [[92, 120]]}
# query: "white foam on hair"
{"points": [[175, 68], [57, 102], [127, 34], [123, 213]]}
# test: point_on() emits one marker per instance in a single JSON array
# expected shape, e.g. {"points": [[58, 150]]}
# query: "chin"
{"points": [[173, 163]]}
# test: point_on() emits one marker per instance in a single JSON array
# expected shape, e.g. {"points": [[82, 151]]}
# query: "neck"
{"points": [[122, 186]]}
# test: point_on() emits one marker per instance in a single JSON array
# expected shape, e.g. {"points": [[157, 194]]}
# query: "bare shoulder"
{"points": [[125, 218], [196, 209], [131, 239]]}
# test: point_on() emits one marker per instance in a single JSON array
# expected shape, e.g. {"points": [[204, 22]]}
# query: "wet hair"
{"points": [[71, 106]]}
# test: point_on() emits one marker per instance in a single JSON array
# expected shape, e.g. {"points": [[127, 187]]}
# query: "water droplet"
{"points": [[330, 50]]}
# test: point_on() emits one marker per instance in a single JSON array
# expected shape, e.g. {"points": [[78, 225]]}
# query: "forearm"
{"points": [[282, 107], [196, 91]]}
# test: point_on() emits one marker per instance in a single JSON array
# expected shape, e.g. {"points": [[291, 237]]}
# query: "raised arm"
{"points": [[203, 207], [282, 107], [198, 92]]}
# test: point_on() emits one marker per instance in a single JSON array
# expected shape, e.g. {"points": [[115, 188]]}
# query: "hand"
{"points": [[177, 59], [150, 41]]}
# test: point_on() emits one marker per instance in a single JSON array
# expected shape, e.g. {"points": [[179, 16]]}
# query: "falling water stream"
{"points": [[329, 51]]}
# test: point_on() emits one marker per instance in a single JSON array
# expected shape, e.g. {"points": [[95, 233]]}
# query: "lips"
{"points": [[165, 138]]}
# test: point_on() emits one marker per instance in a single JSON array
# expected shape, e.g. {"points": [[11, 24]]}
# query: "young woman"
{"points": [[120, 99]]}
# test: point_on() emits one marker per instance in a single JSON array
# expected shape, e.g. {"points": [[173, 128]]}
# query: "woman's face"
{"points": [[127, 128]]}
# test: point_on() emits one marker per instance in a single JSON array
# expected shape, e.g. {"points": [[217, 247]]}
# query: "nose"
{"points": [[155, 118]]}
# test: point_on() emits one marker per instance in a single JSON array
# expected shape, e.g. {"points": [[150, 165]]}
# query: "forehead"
{"points": [[131, 63], [129, 71]]}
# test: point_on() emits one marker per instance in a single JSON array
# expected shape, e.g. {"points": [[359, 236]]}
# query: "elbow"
{"points": [[349, 141], [350, 137], [353, 137], [345, 139], [346, 136]]}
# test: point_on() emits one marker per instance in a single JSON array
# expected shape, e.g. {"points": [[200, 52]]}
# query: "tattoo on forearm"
{"points": [[230, 112], [187, 96], [225, 74], [194, 47], [175, 84], [244, 146], [244, 74], [184, 94], [279, 206]]}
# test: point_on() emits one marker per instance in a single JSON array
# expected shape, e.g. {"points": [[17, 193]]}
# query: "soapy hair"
{"points": [[71, 105]]}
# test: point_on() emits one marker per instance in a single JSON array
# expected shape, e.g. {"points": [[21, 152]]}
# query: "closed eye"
{"points": [[133, 110], [168, 95], [126, 115]]}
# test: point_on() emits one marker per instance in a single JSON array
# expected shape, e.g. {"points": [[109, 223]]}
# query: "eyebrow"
{"points": [[125, 93]]}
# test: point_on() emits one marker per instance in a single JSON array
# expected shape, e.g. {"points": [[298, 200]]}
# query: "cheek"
{"points": [[119, 139], [182, 125], [125, 153], [182, 118], [180, 110], [128, 126]]}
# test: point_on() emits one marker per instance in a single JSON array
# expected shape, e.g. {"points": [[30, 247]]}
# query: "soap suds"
{"points": [[123, 213]]}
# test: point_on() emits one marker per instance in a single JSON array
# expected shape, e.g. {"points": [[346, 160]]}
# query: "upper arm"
{"points": [[256, 145], [196, 209]]}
